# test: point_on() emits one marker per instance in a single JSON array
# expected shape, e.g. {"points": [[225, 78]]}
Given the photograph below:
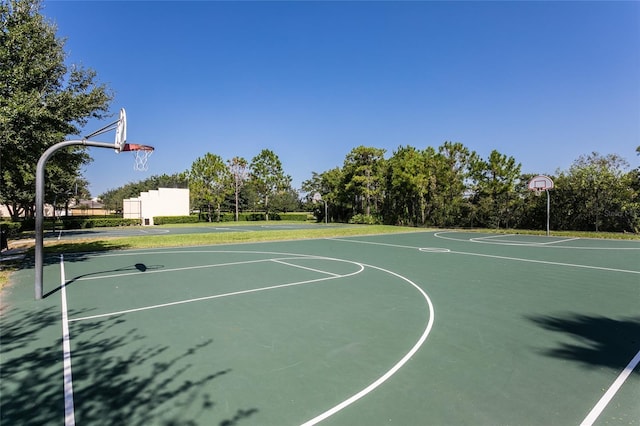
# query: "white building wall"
{"points": [[160, 202]]}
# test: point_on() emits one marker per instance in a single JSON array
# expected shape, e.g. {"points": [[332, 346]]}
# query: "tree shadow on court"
{"points": [[80, 250], [73, 252], [118, 378], [603, 341]]}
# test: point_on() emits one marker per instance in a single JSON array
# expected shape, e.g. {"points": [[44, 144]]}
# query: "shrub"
{"points": [[12, 228], [97, 222], [365, 219], [164, 220]]}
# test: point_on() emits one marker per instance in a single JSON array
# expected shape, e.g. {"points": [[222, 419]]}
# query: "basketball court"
{"points": [[416, 328]]}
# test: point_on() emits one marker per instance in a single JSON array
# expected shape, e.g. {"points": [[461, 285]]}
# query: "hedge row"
{"points": [[84, 222], [230, 217], [163, 220], [103, 222]]}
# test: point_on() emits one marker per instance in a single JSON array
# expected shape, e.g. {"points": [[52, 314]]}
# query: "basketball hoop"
{"points": [[538, 185], [142, 154]]}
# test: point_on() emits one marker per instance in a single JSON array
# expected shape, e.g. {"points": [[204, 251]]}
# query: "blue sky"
{"points": [[544, 82]]}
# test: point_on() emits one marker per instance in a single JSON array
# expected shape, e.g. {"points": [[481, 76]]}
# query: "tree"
{"points": [[453, 162], [329, 185], [267, 177], [495, 188], [209, 182], [597, 194], [285, 200], [41, 101], [239, 169], [364, 169], [411, 177]]}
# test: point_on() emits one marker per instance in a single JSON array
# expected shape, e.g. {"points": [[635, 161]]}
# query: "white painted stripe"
{"points": [[559, 241], [217, 296], [476, 240], [613, 389], [305, 267], [571, 265], [493, 236], [393, 369], [69, 415], [186, 268], [370, 242]]}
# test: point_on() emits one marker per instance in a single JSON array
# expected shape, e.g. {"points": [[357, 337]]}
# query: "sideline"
{"points": [[69, 413]]}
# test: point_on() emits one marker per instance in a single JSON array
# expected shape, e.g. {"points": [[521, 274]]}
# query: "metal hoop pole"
{"points": [[548, 210], [325, 212], [39, 254]]}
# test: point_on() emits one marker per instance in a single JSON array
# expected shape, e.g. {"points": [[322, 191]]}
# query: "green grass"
{"points": [[182, 240]]}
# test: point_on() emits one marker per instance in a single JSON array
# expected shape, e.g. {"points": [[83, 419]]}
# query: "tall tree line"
{"points": [[452, 186]]}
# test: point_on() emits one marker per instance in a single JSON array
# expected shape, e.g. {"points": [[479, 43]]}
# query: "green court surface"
{"points": [[422, 328]]}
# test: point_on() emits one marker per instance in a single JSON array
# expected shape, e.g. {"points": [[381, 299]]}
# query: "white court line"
{"points": [[217, 296], [304, 267], [371, 242], [393, 369], [493, 236], [559, 241], [186, 268], [546, 262], [505, 243], [69, 416], [613, 389]]}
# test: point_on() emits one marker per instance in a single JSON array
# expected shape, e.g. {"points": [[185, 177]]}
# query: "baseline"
{"points": [[69, 412]]}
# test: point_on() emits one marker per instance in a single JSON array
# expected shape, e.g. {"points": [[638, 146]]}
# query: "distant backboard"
{"points": [[540, 183]]}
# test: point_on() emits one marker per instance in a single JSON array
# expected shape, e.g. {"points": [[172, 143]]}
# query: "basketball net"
{"points": [[141, 155], [140, 160]]}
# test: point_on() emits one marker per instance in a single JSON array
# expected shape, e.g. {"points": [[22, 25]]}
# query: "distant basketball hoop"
{"points": [[317, 197], [538, 185]]}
